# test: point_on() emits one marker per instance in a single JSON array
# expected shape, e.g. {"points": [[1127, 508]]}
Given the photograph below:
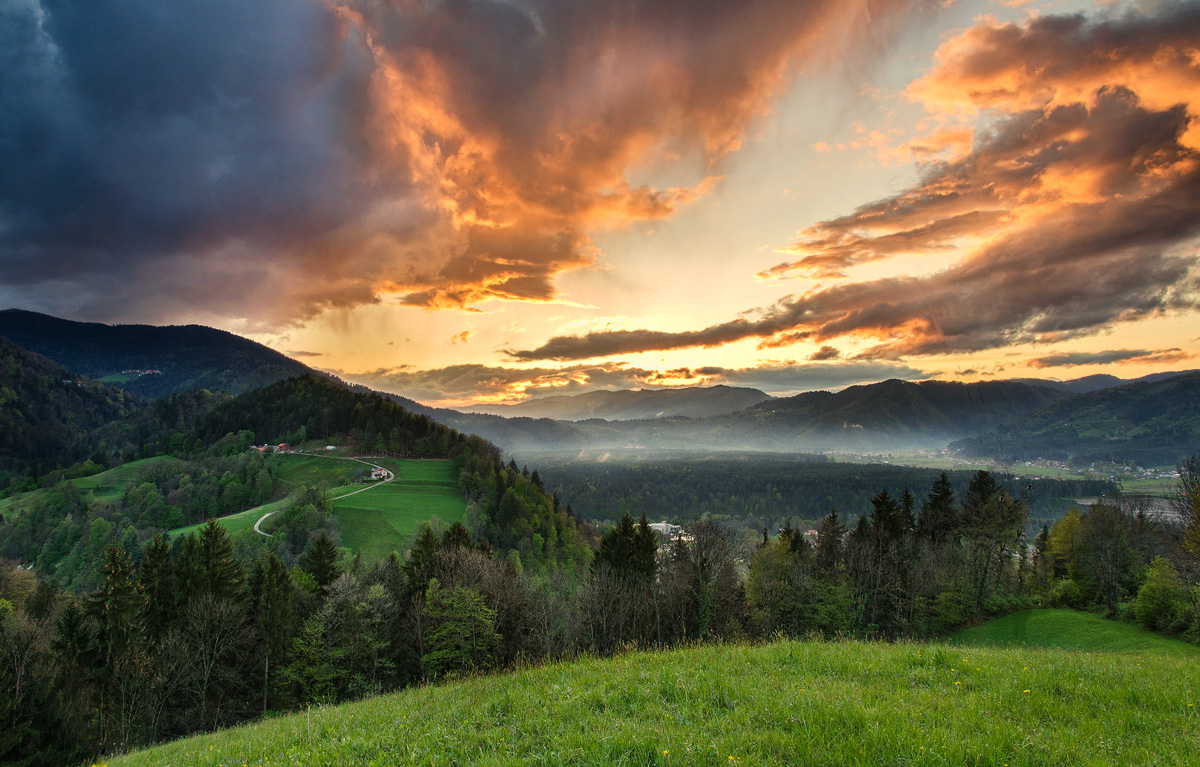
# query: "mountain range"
{"points": [[1150, 421]]}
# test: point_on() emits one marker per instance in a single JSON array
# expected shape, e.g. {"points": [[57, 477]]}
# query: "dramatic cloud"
{"points": [[1123, 356], [825, 353], [271, 159], [460, 384], [1078, 206]]}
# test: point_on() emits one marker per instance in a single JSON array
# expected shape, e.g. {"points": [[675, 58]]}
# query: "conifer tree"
{"points": [[157, 578], [421, 563], [222, 574], [829, 542], [939, 518], [320, 561], [274, 605], [117, 605]]}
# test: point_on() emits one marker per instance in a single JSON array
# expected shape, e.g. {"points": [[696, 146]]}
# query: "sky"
{"points": [[479, 201]]}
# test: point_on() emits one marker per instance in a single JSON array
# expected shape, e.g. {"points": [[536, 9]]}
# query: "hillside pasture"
{"points": [[107, 485], [843, 703], [382, 519], [293, 470], [1070, 630]]}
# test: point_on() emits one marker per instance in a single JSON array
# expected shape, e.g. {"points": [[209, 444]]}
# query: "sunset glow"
{"points": [[481, 202]]}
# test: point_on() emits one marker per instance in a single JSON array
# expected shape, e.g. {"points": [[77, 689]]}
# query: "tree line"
{"points": [[757, 490]]}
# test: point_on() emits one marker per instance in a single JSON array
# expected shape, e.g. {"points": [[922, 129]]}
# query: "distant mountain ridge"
{"points": [[634, 404], [889, 415], [1100, 381], [185, 356], [1153, 422]]}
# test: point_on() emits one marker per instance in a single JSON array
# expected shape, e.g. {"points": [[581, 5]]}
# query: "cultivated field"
{"points": [[788, 703]]}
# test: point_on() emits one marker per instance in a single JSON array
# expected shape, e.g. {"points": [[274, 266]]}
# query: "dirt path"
{"points": [[390, 476]]}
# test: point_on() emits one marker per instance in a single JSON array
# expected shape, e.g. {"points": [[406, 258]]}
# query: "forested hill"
{"points": [[47, 412], [185, 356], [896, 410], [1154, 423]]}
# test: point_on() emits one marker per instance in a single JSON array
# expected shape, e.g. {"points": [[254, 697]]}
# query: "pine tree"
{"points": [[629, 548], [829, 542], [421, 562], [158, 583], [939, 518], [222, 574], [320, 561], [274, 594], [117, 605]]}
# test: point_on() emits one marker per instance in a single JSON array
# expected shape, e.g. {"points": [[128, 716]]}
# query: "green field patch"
{"points": [[382, 519], [1165, 488], [107, 485], [787, 703], [116, 379], [239, 522], [1070, 630], [294, 470]]}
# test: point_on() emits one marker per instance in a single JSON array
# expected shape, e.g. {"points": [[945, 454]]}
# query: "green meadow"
{"points": [[378, 521], [1070, 630], [241, 522], [107, 485], [787, 703], [375, 519], [293, 470]]}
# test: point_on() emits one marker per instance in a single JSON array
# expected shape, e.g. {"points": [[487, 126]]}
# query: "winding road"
{"points": [[390, 477]]}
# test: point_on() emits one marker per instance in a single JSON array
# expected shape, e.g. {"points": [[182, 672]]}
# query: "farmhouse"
{"points": [[379, 474]]}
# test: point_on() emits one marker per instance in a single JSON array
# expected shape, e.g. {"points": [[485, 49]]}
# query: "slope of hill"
{"points": [[184, 356], [1071, 630], [1152, 423], [846, 703], [47, 412], [629, 405]]}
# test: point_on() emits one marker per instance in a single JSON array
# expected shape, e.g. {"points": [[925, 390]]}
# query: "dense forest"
{"points": [[196, 636], [767, 490], [47, 413]]}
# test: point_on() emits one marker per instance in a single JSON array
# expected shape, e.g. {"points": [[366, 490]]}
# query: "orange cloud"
{"points": [[267, 161], [1078, 206], [521, 125]]}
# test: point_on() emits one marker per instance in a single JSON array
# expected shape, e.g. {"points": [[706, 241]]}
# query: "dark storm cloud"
{"points": [[1084, 209], [269, 159], [825, 353]]}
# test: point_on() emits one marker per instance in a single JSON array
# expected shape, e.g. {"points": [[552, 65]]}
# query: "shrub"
{"points": [[1065, 592], [1162, 602]]}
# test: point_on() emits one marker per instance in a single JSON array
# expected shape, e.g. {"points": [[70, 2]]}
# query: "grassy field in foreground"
{"points": [[1069, 630], [788, 703], [381, 520], [107, 485]]}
